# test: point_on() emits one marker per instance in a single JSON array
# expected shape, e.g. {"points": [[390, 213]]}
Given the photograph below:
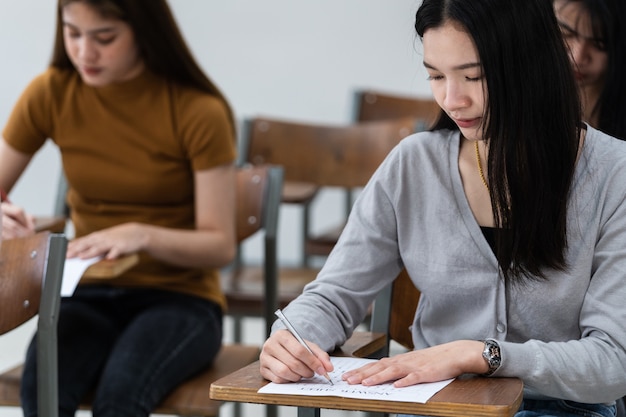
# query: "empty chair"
{"points": [[313, 156], [372, 105]]}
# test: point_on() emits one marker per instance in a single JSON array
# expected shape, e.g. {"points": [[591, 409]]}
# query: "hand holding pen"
{"points": [[295, 333]]}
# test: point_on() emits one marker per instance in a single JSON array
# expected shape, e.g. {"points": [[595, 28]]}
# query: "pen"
{"points": [[293, 331]]}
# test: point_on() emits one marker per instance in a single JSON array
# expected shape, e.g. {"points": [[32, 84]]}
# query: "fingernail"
{"points": [[321, 371]]}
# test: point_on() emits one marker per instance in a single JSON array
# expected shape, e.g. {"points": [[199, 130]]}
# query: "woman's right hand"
{"points": [[284, 359], [16, 222]]}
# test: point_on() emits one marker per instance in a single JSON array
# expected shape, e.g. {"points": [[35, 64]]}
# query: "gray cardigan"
{"points": [[564, 337]]}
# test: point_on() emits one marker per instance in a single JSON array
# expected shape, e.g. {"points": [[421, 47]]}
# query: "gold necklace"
{"points": [[480, 166]]}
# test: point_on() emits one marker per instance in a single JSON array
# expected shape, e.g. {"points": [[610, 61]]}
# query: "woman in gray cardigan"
{"points": [[509, 217]]}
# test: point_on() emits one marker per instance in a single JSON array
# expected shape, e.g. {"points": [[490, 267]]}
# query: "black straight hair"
{"points": [[532, 124], [608, 22], [160, 42]]}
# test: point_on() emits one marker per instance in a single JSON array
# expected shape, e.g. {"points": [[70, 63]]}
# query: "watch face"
{"points": [[494, 352], [491, 353]]}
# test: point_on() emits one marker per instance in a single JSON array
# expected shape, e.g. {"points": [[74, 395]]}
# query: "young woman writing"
{"points": [[509, 217]]}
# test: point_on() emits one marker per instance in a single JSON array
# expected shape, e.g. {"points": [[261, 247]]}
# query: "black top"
{"points": [[490, 236]]}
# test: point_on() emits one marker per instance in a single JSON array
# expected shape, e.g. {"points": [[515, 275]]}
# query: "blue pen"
{"points": [[293, 331]]}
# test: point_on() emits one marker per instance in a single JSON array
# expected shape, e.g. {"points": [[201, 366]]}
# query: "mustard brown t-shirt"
{"points": [[129, 153]]}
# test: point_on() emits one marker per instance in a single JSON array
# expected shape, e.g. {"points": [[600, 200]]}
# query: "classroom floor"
{"points": [[12, 348]]}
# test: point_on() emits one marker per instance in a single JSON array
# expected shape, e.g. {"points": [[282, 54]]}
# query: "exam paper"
{"points": [[72, 272], [319, 386]]}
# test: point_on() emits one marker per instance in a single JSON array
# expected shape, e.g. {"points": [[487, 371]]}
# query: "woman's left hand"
{"points": [[110, 243], [433, 364]]}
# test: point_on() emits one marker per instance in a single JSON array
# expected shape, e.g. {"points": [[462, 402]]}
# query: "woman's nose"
{"points": [[87, 50], [579, 50], [456, 97]]}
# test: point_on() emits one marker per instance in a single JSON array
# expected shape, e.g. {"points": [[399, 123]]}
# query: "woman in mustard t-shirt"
{"points": [[148, 149]]}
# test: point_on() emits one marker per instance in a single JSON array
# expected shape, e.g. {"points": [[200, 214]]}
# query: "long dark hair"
{"points": [[608, 22], [161, 44], [532, 124]]}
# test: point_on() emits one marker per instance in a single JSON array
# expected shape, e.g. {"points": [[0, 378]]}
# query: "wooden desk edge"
{"points": [[111, 268], [242, 386], [102, 269], [54, 224]]}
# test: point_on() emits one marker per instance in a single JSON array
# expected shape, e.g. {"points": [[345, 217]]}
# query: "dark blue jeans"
{"points": [[129, 347], [560, 408]]}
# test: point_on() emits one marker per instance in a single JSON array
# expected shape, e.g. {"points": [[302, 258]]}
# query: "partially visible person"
{"points": [[508, 216], [595, 32], [148, 148]]}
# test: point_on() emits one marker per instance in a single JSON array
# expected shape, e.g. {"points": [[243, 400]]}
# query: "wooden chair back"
{"points": [[404, 299], [394, 310], [31, 272], [258, 203], [321, 155], [255, 185], [324, 155], [378, 105]]}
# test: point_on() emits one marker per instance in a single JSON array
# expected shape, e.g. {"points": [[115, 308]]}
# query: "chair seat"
{"points": [[323, 244], [244, 287], [298, 192], [189, 399], [10, 386], [192, 397]]}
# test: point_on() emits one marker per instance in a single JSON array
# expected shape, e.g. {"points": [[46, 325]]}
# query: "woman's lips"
{"points": [[467, 123], [92, 71]]}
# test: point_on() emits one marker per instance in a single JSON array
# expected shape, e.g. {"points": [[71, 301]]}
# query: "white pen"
{"points": [[295, 333]]}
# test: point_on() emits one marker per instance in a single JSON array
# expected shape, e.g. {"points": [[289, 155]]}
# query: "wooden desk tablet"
{"points": [[54, 224], [111, 268], [466, 396]]}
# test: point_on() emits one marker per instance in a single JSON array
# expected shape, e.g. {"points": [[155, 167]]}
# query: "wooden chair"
{"points": [[31, 271], [393, 313], [313, 156], [258, 199], [371, 105]]}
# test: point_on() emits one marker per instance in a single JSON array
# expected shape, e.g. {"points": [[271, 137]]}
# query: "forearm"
{"points": [[589, 371], [185, 248], [188, 248]]}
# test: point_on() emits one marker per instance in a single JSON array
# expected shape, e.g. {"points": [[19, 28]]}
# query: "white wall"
{"points": [[284, 58]]}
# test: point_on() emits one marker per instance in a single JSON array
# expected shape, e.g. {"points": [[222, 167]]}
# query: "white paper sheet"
{"points": [[319, 385], [73, 271]]}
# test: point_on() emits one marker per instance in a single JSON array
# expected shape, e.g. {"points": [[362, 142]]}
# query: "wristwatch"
{"points": [[491, 353]]}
